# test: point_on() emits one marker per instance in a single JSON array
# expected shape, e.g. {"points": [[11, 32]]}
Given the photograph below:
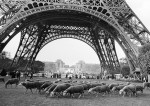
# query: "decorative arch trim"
{"points": [[29, 12]]}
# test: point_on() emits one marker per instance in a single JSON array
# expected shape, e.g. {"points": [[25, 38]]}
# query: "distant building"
{"points": [[59, 65], [91, 69], [50, 68], [66, 66], [80, 68]]}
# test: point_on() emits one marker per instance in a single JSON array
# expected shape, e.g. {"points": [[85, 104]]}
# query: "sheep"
{"points": [[60, 88], [32, 85], [100, 89], [146, 84], [139, 88], [96, 84], [45, 85], [2, 79], [74, 89], [46, 89], [103, 83], [74, 81], [124, 91], [86, 86], [12, 81], [129, 89], [117, 88], [68, 81], [28, 85], [27, 80], [49, 89], [39, 84], [58, 80], [113, 85]]}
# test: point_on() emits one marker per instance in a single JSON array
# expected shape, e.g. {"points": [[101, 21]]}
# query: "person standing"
{"points": [[18, 74], [31, 75], [3, 72], [14, 74], [25, 74]]}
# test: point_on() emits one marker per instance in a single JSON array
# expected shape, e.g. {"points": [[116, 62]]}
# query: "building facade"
{"points": [[80, 69]]}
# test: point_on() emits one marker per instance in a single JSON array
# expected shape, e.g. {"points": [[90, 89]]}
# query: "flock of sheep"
{"points": [[72, 87]]}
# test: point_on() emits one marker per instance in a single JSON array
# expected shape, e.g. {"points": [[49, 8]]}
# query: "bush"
{"points": [[3, 72], [125, 70]]}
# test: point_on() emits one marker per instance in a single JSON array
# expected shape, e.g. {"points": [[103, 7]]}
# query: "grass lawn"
{"points": [[16, 96]]}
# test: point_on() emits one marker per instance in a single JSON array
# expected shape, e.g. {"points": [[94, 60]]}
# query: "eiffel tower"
{"points": [[99, 23]]}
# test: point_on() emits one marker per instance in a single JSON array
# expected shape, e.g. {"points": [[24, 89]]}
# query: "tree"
{"points": [[50, 67], [38, 66], [145, 48], [3, 72], [125, 70], [5, 63], [35, 67], [144, 57]]}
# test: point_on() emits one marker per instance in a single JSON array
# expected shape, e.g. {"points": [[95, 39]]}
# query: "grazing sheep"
{"points": [[86, 86], [74, 81], [58, 80], [39, 84], [2, 79], [49, 89], [45, 85], [46, 89], [124, 91], [27, 80], [146, 84], [129, 89], [100, 89], [96, 84], [139, 88], [68, 81], [117, 88], [112, 85], [12, 81], [103, 83], [74, 89], [60, 88], [28, 85], [128, 83], [32, 85]]}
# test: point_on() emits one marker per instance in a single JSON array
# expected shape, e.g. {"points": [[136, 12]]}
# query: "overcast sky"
{"points": [[71, 50]]}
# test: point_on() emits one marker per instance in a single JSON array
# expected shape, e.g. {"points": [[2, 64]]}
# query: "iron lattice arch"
{"points": [[111, 18], [43, 31]]}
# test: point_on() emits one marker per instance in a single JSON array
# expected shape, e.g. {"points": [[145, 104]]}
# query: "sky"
{"points": [[71, 50]]}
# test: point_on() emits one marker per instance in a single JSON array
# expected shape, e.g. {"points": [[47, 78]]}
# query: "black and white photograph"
{"points": [[74, 53]]}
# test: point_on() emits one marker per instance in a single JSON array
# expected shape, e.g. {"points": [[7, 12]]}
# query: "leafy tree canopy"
{"points": [[144, 57], [125, 70], [5, 63], [145, 48]]}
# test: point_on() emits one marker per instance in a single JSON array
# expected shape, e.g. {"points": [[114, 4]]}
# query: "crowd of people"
{"points": [[17, 74]]}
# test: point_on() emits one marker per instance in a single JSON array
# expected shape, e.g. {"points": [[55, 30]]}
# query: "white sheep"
{"points": [[73, 90], [129, 89]]}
